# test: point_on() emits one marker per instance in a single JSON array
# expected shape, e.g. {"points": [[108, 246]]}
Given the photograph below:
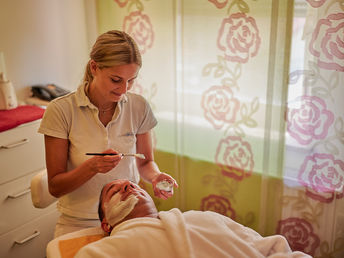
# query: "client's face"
{"points": [[123, 200]]}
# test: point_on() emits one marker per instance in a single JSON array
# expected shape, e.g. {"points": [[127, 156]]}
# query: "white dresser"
{"points": [[24, 229]]}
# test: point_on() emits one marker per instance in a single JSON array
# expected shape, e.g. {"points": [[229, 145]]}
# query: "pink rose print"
{"points": [[140, 28], [323, 177], [327, 43], [239, 38], [121, 3], [234, 157], [219, 106], [316, 3], [310, 121], [218, 204], [219, 4], [299, 234]]}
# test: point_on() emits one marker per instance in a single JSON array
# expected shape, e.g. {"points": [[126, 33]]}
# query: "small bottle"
{"points": [[165, 186], [8, 98]]}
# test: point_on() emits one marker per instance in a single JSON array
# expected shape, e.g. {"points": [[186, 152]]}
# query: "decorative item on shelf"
{"points": [[8, 97]]}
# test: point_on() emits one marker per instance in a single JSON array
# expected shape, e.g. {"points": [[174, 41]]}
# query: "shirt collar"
{"points": [[84, 101], [81, 97]]}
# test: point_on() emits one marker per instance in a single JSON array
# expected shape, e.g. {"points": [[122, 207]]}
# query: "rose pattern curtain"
{"points": [[249, 99], [312, 217]]}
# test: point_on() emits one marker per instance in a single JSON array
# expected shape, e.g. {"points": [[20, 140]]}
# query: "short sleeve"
{"points": [[149, 121], [55, 121]]}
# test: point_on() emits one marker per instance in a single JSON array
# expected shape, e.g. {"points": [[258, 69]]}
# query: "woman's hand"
{"points": [[63, 181], [103, 164], [163, 194], [149, 170]]}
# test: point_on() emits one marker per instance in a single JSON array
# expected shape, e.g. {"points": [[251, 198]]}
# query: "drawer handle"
{"points": [[35, 234], [14, 196], [15, 144]]}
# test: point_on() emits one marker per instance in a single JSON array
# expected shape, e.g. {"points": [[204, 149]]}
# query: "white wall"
{"points": [[45, 41]]}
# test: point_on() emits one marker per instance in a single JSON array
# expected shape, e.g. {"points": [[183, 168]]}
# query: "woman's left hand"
{"points": [[162, 193]]}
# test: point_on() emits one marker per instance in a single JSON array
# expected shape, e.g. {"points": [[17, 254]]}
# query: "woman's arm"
{"points": [[62, 181], [147, 167]]}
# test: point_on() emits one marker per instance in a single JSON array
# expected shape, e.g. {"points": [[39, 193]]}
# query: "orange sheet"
{"points": [[69, 247]]}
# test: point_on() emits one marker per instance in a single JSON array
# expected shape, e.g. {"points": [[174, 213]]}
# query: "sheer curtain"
{"points": [[248, 95], [313, 205]]}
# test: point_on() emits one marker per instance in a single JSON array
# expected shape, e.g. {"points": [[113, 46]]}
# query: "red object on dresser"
{"points": [[22, 114]]}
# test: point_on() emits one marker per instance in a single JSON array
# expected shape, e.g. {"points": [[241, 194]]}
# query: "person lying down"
{"points": [[135, 228]]}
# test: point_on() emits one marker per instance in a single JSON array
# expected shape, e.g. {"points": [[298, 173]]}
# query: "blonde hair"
{"points": [[113, 48]]}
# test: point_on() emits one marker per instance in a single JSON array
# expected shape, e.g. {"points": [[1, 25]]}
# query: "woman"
{"points": [[101, 116]]}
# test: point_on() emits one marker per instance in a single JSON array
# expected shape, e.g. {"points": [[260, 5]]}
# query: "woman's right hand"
{"points": [[62, 181], [103, 164]]}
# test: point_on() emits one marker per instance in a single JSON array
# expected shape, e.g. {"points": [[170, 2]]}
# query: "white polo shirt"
{"points": [[75, 118]]}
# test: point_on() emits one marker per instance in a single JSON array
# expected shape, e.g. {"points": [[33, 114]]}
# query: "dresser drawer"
{"points": [[16, 206], [21, 152], [29, 240]]}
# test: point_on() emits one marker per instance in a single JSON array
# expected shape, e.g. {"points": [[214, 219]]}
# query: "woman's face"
{"points": [[111, 83]]}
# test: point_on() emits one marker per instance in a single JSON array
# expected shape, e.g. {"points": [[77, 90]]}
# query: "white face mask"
{"points": [[116, 210]]}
